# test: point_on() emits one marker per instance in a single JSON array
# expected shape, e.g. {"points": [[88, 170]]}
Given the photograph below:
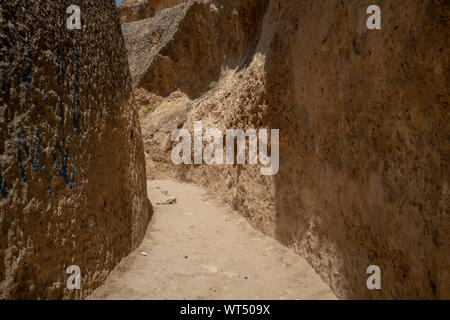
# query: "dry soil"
{"points": [[199, 248]]}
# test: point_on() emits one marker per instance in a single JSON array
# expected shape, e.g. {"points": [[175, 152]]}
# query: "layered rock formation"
{"points": [[134, 10], [363, 118], [72, 171], [187, 46]]}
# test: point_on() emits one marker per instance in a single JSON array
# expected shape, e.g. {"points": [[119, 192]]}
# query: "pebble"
{"points": [[169, 200]]}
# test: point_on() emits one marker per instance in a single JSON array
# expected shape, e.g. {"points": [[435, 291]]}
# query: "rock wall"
{"points": [[134, 10], [72, 171], [364, 168], [363, 119], [186, 46]]}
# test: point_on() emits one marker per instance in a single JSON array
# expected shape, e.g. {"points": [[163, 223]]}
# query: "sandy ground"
{"points": [[201, 249]]}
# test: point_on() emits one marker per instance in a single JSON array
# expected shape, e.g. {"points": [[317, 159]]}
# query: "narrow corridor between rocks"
{"points": [[308, 139], [198, 248]]}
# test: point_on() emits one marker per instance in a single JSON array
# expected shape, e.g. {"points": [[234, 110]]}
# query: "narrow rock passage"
{"points": [[200, 249]]}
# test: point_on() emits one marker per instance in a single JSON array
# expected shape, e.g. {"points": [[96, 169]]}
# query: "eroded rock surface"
{"points": [[363, 119], [186, 47], [134, 10], [72, 171]]}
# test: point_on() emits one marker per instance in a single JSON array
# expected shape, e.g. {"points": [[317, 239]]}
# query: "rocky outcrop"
{"points": [[363, 119], [134, 10], [167, 52], [72, 171]]}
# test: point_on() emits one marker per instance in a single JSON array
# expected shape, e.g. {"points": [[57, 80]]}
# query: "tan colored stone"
{"points": [[167, 52], [134, 10], [364, 143], [73, 187]]}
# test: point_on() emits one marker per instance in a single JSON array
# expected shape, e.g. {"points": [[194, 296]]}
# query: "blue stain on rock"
{"points": [[63, 82], [22, 142], [29, 67], [36, 157], [21, 139], [60, 80], [3, 187], [77, 112], [4, 85], [49, 189], [62, 170], [71, 183]]}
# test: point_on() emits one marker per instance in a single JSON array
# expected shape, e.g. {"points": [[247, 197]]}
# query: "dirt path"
{"points": [[200, 250]]}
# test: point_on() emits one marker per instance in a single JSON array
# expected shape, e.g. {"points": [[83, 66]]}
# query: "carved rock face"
{"points": [[186, 46], [363, 119], [72, 172], [134, 10]]}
